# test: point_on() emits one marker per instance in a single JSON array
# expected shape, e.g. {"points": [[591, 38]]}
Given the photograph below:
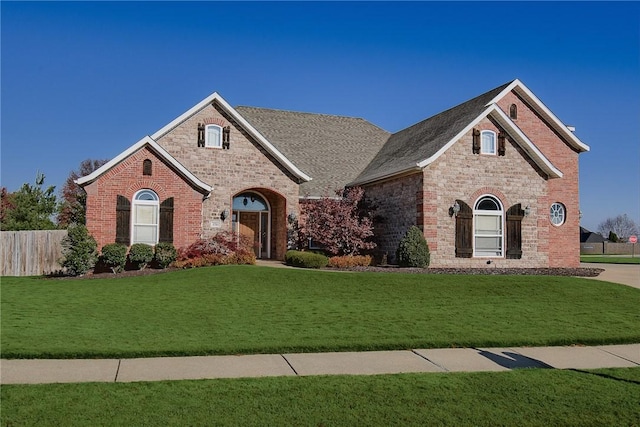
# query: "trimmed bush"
{"points": [[140, 255], [413, 250], [305, 259], [165, 254], [350, 261], [114, 256], [79, 250]]}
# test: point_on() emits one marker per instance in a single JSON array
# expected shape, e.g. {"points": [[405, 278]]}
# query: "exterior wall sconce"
{"points": [[527, 211], [454, 209], [224, 214], [291, 217]]}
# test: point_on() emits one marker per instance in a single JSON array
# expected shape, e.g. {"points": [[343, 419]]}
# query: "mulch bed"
{"points": [[579, 272], [576, 272]]}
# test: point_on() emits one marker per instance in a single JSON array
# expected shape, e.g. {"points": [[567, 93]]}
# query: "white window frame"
{"points": [[208, 142], [135, 224], [557, 214], [499, 252], [488, 150]]}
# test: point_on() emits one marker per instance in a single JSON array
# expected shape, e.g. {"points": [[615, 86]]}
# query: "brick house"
{"points": [[492, 179]]}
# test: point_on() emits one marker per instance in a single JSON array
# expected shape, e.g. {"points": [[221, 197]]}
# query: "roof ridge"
{"points": [[280, 110]]}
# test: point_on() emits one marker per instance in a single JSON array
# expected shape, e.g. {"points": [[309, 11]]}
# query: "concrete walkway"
{"points": [[625, 274], [39, 371]]}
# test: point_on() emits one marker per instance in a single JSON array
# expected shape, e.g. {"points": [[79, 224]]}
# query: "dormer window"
{"points": [[488, 142], [213, 136]]}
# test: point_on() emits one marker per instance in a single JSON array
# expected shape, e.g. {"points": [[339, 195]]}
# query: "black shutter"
{"points": [[476, 141], [123, 220], [226, 133], [501, 144], [514, 232], [200, 135], [464, 231], [166, 221]]}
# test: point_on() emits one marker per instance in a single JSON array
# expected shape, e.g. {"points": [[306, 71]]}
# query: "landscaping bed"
{"points": [[574, 272]]}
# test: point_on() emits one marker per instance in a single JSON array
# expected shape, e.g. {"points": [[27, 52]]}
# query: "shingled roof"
{"points": [[408, 147], [333, 150]]}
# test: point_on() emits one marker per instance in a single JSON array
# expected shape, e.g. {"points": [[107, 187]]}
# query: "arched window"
{"points": [[513, 111], [213, 136], [146, 207], [146, 167], [488, 219], [488, 142]]}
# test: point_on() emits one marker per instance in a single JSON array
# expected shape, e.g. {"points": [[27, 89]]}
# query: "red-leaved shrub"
{"points": [[221, 249]]}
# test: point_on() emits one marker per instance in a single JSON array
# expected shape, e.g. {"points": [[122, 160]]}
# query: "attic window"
{"points": [[146, 167], [513, 111], [488, 142], [213, 136]]}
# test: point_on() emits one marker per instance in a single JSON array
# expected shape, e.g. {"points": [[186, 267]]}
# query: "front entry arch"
{"points": [[252, 218]]}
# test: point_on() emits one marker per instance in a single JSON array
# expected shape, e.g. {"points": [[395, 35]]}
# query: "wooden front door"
{"points": [[250, 227]]}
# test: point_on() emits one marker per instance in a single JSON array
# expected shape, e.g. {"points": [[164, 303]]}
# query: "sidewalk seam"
{"points": [[115, 380], [290, 365], [428, 360], [617, 355]]}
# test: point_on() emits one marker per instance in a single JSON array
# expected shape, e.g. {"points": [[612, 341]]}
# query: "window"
{"points": [[213, 136], [145, 217], [513, 111], [488, 142], [557, 214], [146, 167], [487, 227]]}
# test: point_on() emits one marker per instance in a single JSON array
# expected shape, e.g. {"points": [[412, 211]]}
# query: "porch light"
{"points": [[527, 211], [454, 209], [291, 217], [224, 214]]}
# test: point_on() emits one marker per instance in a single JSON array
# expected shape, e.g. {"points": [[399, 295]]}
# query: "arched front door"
{"points": [[251, 216]]}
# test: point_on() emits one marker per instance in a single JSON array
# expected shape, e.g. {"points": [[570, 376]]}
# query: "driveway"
{"points": [[625, 274]]}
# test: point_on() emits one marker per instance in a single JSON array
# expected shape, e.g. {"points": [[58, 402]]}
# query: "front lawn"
{"points": [[250, 309], [526, 397], [610, 259]]}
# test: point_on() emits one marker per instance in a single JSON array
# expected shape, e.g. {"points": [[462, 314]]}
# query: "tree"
{"points": [[30, 208], [6, 203], [621, 226], [342, 225], [73, 207]]}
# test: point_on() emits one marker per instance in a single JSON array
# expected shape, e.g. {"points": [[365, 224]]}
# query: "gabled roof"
{"points": [[587, 236], [147, 141], [248, 127], [332, 149], [417, 146]]}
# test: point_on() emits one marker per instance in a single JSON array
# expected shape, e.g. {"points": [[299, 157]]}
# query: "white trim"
{"points": [[513, 130], [207, 142], [134, 214], [146, 141], [501, 213], [539, 107], [215, 97], [495, 142]]}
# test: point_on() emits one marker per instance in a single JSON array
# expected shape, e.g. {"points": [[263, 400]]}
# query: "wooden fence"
{"points": [[609, 248], [31, 253]]}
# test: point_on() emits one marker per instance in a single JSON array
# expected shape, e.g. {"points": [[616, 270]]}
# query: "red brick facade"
{"points": [[126, 179]]}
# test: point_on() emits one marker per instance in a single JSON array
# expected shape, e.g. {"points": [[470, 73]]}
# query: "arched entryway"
{"points": [[252, 218]]}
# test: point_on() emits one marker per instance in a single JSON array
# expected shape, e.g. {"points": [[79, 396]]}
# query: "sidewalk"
{"points": [[40, 371]]}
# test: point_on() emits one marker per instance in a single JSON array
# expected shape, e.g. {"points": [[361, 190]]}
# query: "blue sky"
{"points": [[87, 80]]}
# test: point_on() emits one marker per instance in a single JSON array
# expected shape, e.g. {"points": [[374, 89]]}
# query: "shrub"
{"points": [[165, 254], [305, 259], [413, 250], [140, 255], [114, 256], [223, 248], [350, 261], [79, 250]]}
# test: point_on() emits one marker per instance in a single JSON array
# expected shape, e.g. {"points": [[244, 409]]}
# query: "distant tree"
{"points": [[6, 203], [30, 208], [621, 226], [613, 237], [342, 225], [73, 206]]}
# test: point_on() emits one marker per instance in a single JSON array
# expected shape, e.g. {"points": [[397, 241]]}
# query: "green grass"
{"points": [[527, 397], [610, 259], [249, 309]]}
